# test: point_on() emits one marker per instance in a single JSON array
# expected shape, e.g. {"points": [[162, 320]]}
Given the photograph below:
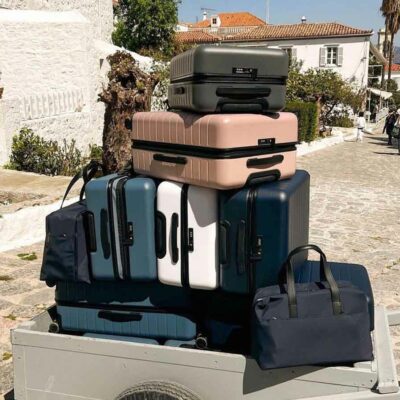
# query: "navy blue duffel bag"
{"points": [[322, 323]]}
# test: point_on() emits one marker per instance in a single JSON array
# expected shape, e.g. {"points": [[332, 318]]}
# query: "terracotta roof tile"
{"points": [[233, 20], [395, 68], [195, 37], [300, 31]]}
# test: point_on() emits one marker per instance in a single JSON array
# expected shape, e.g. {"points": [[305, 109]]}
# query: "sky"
{"points": [[356, 13]]}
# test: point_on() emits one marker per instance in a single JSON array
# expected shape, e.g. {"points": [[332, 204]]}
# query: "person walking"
{"points": [[361, 123], [389, 125]]}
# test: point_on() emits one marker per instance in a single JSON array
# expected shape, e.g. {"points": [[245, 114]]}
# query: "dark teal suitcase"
{"points": [[259, 226], [123, 221], [353, 273], [146, 310]]}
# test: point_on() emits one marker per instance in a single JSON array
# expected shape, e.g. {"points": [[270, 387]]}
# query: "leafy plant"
{"points": [[160, 93], [146, 25], [31, 153], [325, 87], [95, 152], [307, 114], [27, 256], [6, 356]]}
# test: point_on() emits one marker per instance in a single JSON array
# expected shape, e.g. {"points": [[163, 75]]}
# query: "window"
{"points": [[214, 21], [332, 56]]}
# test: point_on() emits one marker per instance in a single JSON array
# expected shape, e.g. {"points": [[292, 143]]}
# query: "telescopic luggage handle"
{"points": [[326, 275]]}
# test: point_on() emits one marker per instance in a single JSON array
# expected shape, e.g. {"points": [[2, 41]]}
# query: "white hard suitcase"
{"points": [[188, 217]]}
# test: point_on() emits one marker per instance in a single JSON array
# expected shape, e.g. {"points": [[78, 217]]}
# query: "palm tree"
{"points": [[387, 8], [391, 11]]}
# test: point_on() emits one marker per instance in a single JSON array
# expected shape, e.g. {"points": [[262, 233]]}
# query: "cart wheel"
{"points": [[158, 391]]}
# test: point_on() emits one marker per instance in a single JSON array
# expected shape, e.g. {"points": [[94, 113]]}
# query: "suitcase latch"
{"points": [[191, 240], [130, 238], [257, 250], [266, 142]]}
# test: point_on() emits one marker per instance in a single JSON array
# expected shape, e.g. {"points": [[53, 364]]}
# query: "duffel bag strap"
{"points": [[86, 173], [326, 275]]}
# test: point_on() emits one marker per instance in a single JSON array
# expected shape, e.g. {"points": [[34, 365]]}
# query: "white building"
{"points": [[52, 66], [316, 45]]}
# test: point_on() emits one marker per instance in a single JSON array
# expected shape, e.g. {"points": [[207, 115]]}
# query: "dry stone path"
{"points": [[355, 217], [355, 212]]}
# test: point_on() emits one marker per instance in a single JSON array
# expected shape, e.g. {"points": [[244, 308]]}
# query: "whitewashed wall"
{"points": [[355, 55], [48, 65], [98, 12]]}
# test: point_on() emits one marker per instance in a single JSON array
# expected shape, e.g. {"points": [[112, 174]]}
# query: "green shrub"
{"points": [[31, 153], [307, 114], [342, 120], [95, 152]]}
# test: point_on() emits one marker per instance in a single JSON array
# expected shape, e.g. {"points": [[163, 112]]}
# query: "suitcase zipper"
{"points": [[184, 237], [266, 147], [119, 307], [125, 228], [230, 79], [110, 184]]}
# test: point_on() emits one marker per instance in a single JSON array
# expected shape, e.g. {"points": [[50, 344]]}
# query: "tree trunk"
{"points": [[129, 91], [385, 43], [391, 56]]}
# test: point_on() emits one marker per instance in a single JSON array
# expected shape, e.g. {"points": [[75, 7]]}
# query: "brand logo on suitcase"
{"points": [[266, 142], [253, 72]]}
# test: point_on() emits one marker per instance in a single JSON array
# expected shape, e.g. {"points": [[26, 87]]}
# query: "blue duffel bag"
{"points": [[320, 323]]}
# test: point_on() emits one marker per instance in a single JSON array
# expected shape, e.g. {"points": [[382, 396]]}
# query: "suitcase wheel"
{"points": [[54, 327], [157, 391]]}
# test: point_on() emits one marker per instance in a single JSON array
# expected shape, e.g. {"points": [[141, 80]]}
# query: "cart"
{"points": [[65, 367]]}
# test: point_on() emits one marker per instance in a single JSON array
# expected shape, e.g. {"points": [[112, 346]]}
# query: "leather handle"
{"points": [[115, 316], [174, 237], [241, 248], [265, 162], [105, 241], [243, 93], [170, 159], [326, 275]]}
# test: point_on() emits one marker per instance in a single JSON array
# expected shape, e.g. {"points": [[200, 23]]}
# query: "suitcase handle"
{"points": [[170, 159], [105, 242], [91, 232], [243, 93], [161, 235], [265, 162], [262, 177], [115, 316], [241, 249], [174, 237], [224, 243]]}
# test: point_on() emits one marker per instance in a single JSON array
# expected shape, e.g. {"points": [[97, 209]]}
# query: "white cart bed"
{"points": [[65, 367]]}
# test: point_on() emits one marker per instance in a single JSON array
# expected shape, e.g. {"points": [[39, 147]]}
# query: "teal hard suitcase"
{"points": [[122, 209]]}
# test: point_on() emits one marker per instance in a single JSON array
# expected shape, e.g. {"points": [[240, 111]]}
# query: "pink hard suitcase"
{"points": [[220, 151]]}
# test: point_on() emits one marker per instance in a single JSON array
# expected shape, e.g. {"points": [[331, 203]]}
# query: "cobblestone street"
{"points": [[355, 217]]}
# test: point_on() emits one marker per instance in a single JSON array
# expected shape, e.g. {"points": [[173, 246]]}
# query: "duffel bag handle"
{"points": [[87, 173], [326, 275]]}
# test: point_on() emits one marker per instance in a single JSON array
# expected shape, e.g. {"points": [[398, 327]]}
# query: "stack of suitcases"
{"points": [[216, 204]]}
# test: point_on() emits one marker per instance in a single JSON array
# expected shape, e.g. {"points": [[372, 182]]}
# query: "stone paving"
{"points": [[355, 217]]}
